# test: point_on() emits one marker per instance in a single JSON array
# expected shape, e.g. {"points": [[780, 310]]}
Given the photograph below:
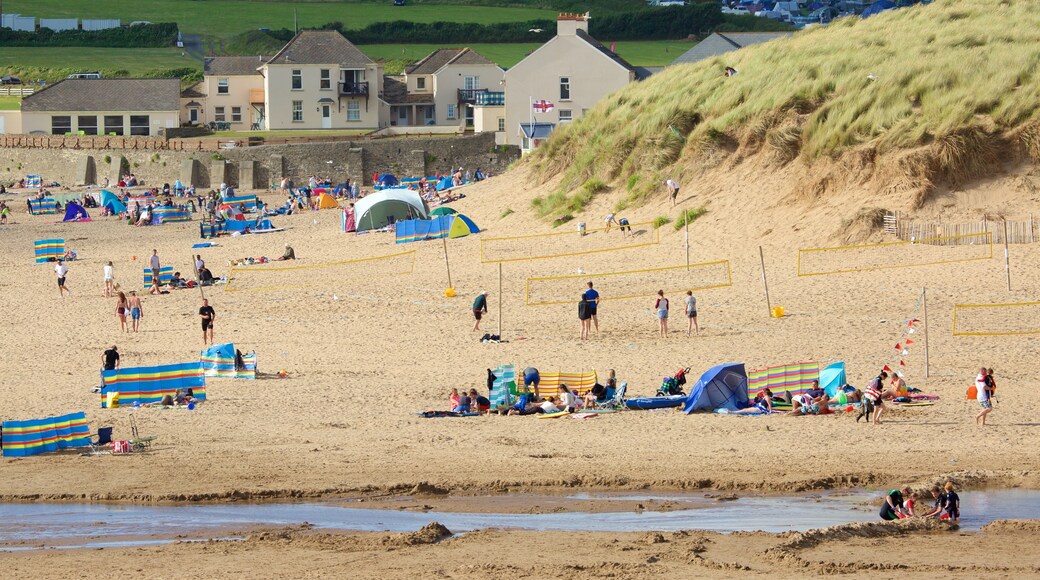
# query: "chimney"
{"points": [[568, 24]]}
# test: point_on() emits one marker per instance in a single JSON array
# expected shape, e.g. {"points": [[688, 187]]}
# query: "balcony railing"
{"points": [[354, 89], [470, 95], [490, 99]]}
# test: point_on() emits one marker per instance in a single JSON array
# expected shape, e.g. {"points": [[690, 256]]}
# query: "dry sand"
{"points": [[362, 363]]}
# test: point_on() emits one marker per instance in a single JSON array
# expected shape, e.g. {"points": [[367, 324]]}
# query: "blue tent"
{"points": [[833, 378], [74, 212], [444, 183], [387, 180], [878, 8], [721, 387], [112, 202]]}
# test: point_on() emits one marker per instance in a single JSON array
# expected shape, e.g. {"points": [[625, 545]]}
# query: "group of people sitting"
{"points": [[902, 504], [528, 403], [182, 398]]}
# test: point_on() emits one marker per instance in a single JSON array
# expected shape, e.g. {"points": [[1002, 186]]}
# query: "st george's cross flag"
{"points": [[542, 106]]}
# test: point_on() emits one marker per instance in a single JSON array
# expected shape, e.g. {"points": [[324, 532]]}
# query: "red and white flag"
{"points": [[542, 106]]}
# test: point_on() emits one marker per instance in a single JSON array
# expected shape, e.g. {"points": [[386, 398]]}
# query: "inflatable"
{"points": [[645, 403]]}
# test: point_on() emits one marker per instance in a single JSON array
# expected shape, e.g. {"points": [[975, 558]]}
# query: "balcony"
{"points": [[470, 95], [352, 89], [491, 99]]}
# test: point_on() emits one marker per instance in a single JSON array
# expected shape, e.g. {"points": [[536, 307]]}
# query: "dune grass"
{"points": [[689, 216], [948, 75]]}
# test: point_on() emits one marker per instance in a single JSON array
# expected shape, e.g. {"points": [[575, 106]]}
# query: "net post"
{"points": [[446, 265], [924, 301], [500, 300], [765, 283], [686, 222]]}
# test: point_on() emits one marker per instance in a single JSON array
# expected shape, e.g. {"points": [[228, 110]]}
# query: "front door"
{"points": [[326, 117], [193, 116]]}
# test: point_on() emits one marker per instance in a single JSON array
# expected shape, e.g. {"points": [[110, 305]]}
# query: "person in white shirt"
{"points": [[549, 406], [673, 188], [568, 400], [982, 396], [691, 313], [109, 280], [610, 221], [62, 271]]}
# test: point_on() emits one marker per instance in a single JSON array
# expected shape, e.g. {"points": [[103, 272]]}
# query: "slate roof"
{"points": [[321, 47], [195, 91], [613, 56], [442, 57], [229, 66], [106, 95], [723, 42]]}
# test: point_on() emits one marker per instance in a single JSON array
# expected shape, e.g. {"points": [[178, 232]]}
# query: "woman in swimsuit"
{"points": [[121, 310], [762, 405]]}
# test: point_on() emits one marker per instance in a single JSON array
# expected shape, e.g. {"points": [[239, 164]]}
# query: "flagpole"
{"points": [[530, 124]]}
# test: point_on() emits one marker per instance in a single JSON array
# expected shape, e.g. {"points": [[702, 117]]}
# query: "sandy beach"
{"points": [[366, 350]]}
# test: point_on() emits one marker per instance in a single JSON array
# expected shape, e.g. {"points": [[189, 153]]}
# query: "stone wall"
{"points": [[358, 160]]}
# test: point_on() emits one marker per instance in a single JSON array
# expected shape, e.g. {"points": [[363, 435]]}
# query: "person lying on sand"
{"points": [[803, 405], [763, 403]]}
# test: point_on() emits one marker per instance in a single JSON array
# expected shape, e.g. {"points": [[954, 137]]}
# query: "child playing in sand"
{"points": [[453, 399], [893, 506], [951, 503]]}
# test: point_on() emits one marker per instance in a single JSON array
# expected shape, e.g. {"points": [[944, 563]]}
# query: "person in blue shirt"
{"points": [[592, 297]]}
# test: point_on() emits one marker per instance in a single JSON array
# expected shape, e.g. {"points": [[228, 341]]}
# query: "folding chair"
{"points": [[615, 398], [104, 440]]}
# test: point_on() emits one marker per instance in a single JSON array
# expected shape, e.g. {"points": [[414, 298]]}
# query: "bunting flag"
{"points": [[899, 346], [886, 368]]}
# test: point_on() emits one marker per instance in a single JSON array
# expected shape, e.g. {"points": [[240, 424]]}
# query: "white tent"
{"points": [[378, 209]]}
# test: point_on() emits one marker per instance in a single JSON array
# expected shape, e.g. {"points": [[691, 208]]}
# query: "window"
{"points": [[236, 114], [139, 125], [501, 124], [471, 83], [222, 86], [354, 111], [326, 80], [113, 124], [420, 84], [451, 112], [402, 113], [565, 88], [87, 125], [61, 125], [218, 115], [297, 79], [297, 111], [566, 116]]}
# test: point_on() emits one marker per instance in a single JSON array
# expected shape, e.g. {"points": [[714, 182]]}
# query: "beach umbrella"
{"points": [[443, 210]]}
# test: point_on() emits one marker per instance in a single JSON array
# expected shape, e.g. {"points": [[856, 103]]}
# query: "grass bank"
{"points": [[639, 53], [956, 79]]}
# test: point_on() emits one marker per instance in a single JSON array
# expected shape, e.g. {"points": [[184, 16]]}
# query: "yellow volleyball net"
{"points": [[567, 243], [889, 255], [546, 290], [1009, 319], [278, 275]]}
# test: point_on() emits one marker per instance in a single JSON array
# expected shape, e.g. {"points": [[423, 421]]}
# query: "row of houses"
{"points": [[320, 80]]}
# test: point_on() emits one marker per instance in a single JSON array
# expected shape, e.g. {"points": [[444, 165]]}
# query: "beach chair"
{"points": [[615, 398], [104, 441]]}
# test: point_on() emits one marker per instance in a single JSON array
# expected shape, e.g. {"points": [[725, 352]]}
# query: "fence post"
{"points": [[1007, 260], [765, 283]]}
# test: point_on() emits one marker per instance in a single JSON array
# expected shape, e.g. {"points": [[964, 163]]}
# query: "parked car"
{"points": [[9, 80], [84, 75]]}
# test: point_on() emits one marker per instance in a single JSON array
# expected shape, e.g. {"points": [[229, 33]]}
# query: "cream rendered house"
{"points": [[117, 107], [319, 80], [441, 91], [231, 94], [572, 71]]}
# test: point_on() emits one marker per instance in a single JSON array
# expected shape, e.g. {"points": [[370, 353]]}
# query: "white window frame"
{"points": [[223, 86], [297, 111], [353, 111], [471, 82], [501, 123], [218, 115], [565, 86], [569, 118], [236, 114], [325, 80], [296, 79], [451, 111]]}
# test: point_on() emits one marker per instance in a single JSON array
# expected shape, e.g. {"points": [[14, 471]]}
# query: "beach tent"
{"points": [[418, 230], [721, 387], [462, 226], [112, 202], [26, 438], [387, 181], [74, 212], [442, 210], [833, 378], [149, 384], [878, 8], [390, 205], [326, 201], [219, 361], [444, 183]]}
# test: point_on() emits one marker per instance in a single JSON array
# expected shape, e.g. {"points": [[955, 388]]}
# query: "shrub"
{"points": [[689, 216], [661, 220], [140, 36], [506, 213]]}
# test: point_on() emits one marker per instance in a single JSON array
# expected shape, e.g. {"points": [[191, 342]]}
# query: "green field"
{"points": [[10, 103], [226, 18], [135, 60], [639, 53]]}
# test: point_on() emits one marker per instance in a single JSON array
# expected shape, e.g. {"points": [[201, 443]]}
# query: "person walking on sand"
{"points": [[673, 189], [983, 396], [691, 313], [122, 309], [480, 308], [208, 317], [109, 272], [593, 298], [155, 271], [584, 318], [661, 305], [136, 313], [62, 271]]}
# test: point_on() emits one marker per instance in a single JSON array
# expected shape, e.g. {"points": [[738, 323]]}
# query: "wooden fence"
{"points": [[957, 234], [16, 91]]}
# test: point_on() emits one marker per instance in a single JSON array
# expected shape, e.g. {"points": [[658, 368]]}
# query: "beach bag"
{"points": [[973, 393], [120, 447]]}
